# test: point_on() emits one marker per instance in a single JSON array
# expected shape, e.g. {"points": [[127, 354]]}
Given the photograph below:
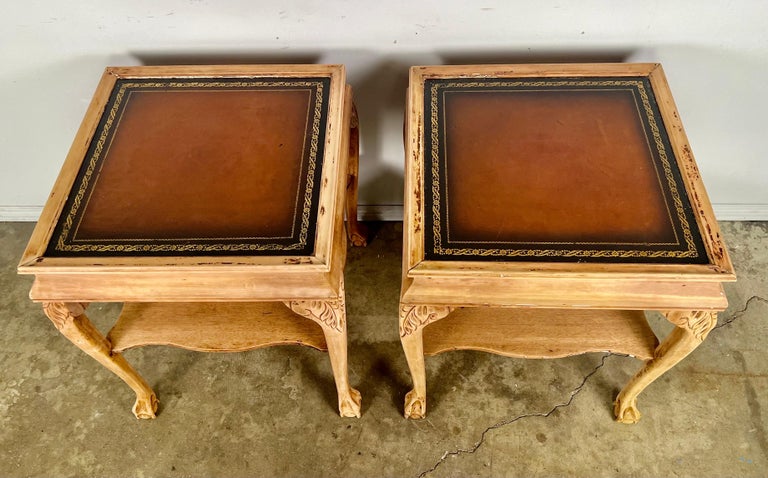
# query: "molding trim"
{"points": [[741, 212], [20, 213], [394, 212], [380, 212]]}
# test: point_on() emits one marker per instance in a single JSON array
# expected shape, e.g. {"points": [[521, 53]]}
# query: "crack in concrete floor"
{"points": [[468, 451], [738, 314], [503, 423]]}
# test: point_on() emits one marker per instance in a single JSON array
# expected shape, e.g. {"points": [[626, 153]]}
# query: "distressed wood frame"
{"points": [[310, 286], [431, 289]]}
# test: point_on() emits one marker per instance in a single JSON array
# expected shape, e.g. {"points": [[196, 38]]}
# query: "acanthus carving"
{"points": [[325, 312], [412, 317], [62, 312], [699, 322]]}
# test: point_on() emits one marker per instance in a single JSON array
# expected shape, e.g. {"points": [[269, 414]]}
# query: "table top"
{"points": [[197, 166], [200, 183], [581, 164], [201, 161]]}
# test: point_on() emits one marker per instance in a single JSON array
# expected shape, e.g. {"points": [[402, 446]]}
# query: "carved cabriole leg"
{"points": [[413, 319], [331, 315], [355, 231], [692, 328], [416, 399], [70, 319]]}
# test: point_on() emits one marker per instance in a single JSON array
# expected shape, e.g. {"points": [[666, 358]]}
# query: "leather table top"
{"points": [[552, 169], [202, 166]]}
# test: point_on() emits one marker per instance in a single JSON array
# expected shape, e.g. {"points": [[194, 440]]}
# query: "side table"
{"points": [[546, 208], [210, 200]]}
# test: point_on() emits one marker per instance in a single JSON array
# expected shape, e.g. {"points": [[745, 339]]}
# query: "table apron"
{"points": [[566, 293], [160, 287]]}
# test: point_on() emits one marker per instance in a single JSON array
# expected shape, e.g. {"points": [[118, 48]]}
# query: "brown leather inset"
{"points": [[191, 163], [551, 166]]}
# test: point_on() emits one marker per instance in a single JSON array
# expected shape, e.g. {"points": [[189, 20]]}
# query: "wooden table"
{"points": [[546, 208], [210, 200]]}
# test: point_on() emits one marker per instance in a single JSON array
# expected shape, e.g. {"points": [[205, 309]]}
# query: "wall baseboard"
{"points": [[380, 212], [20, 213], [394, 212], [741, 212]]}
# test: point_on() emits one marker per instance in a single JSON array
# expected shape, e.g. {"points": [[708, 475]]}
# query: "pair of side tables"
{"points": [[546, 208]]}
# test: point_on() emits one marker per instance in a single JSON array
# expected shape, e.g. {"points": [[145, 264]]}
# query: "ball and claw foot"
{"points": [[415, 406], [626, 412], [145, 407], [358, 239], [350, 406], [357, 233]]}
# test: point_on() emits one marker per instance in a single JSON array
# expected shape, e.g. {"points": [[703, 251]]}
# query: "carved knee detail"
{"points": [[699, 323], [326, 313], [61, 313], [413, 317]]}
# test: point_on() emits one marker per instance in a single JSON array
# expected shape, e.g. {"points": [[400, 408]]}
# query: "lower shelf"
{"points": [[542, 333], [213, 326]]}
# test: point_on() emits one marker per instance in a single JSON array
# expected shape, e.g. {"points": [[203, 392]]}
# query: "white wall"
{"points": [[715, 54]]}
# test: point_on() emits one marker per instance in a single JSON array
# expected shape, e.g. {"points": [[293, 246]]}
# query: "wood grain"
{"points": [[542, 333], [551, 309], [565, 293], [207, 303], [213, 327]]}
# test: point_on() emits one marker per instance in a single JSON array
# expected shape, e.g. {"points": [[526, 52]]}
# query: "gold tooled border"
{"points": [[69, 221], [438, 248]]}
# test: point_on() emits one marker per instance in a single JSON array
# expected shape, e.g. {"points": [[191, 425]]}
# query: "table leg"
{"points": [[416, 399], [331, 316], [349, 398], [70, 319], [355, 231], [413, 319], [691, 329]]}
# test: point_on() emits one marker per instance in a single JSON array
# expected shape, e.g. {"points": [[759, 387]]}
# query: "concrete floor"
{"points": [[272, 412]]}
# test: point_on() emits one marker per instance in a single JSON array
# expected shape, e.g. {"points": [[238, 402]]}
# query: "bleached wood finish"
{"points": [[705, 216], [432, 289], [551, 70], [175, 286], [416, 399], [331, 315], [70, 319], [212, 326], [413, 319], [212, 303], [692, 327], [355, 231], [542, 333], [571, 292], [720, 268]]}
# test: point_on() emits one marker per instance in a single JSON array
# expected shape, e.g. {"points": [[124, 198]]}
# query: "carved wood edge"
{"points": [[328, 313], [715, 240], [61, 313], [414, 317], [698, 322]]}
